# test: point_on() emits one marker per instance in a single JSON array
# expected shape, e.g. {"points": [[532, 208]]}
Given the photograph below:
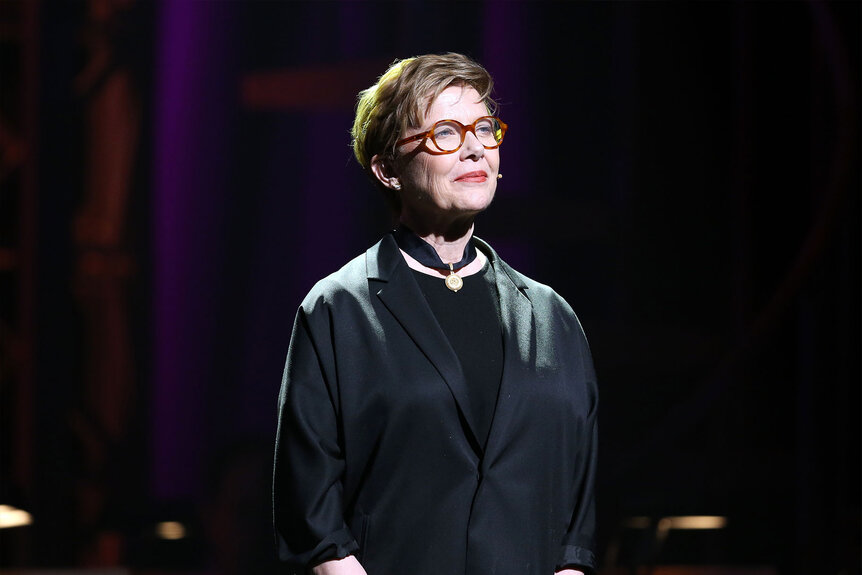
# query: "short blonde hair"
{"points": [[401, 98]]}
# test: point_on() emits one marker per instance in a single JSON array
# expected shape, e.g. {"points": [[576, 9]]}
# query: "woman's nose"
{"points": [[472, 147]]}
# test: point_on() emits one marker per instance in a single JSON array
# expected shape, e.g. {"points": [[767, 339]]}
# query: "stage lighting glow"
{"points": [[14, 517], [170, 530], [693, 522], [637, 523]]}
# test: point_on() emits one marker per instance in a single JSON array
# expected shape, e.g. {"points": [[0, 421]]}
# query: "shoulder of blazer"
{"points": [[349, 281], [521, 281], [528, 286], [382, 259], [539, 294]]}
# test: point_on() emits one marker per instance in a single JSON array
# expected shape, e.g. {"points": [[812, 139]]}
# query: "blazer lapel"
{"points": [[519, 344], [401, 295]]}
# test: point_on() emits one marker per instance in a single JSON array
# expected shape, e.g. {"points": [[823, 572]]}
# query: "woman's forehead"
{"points": [[454, 101]]}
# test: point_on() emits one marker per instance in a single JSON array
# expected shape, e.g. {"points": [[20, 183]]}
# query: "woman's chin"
{"points": [[478, 201]]}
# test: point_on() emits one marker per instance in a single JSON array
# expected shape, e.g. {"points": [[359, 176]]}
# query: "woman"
{"points": [[437, 414]]}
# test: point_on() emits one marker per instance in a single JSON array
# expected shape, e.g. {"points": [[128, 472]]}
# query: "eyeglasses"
{"points": [[447, 136]]}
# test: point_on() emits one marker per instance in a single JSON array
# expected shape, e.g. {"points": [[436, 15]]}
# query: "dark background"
{"points": [[686, 175]]}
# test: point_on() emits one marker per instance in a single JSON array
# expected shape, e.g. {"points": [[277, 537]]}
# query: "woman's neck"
{"points": [[473, 267], [448, 244]]}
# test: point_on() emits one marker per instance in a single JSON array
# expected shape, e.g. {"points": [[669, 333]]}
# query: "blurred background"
{"points": [[176, 175]]}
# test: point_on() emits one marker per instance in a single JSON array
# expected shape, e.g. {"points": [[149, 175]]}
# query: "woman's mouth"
{"points": [[472, 177]]}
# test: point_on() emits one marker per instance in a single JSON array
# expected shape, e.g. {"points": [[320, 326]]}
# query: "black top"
{"points": [[470, 318]]}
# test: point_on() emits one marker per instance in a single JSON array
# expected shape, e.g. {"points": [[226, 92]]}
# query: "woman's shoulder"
{"points": [[531, 287], [349, 279], [537, 291], [349, 283], [545, 300]]}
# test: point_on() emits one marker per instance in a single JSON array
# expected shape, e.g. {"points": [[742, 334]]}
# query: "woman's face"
{"points": [[439, 190]]}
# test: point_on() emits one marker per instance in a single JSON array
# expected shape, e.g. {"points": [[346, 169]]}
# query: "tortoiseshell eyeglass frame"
{"points": [[464, 129]]}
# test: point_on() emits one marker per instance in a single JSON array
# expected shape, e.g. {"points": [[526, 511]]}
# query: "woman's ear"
{"points": [[382, 170]]}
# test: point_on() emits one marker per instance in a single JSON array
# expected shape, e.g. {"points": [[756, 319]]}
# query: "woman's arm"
{"points": [[579, 540], [350, 566], [307, 490]]}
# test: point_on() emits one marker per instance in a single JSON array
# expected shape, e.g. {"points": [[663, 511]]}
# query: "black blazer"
{"points": [[376, 454]]}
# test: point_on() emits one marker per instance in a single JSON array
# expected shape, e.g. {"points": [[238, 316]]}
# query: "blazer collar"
{"points": [[383, 259], [401, 295], [519, 346]]}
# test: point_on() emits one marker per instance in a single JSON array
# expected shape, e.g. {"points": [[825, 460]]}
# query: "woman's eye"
{"points": [[445, 133], [484, 130]]}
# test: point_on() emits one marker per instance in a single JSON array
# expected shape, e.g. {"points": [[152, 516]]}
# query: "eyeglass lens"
{"points": [[448, 135]]}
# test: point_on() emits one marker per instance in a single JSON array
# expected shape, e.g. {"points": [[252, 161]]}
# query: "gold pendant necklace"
{"points": [[453, 280]]}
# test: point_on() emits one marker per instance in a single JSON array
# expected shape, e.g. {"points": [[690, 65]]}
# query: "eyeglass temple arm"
{"points": [[413, 138]]}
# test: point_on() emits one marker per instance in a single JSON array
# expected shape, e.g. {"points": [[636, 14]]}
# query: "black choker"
{"points": [[425, 254]]}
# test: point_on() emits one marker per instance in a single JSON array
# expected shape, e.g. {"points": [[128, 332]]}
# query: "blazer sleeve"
{"points": [[308, 510], [579, 540]]}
